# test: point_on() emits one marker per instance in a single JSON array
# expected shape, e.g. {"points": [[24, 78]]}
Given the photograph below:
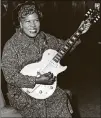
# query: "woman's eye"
{"points": [[27, 21], [37, 20]]}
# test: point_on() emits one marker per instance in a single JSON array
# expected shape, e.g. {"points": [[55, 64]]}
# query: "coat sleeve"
{"points": [[11, 69], [53, 42]]}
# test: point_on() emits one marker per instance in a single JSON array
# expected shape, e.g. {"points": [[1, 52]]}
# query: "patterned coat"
{"points": [[19, 51]]}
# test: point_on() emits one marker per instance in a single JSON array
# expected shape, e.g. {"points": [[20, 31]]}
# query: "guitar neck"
{"points": [[92, 17], [67, 45]]}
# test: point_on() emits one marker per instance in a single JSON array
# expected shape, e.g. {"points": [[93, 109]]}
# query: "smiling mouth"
{"points": [[32, 31]]}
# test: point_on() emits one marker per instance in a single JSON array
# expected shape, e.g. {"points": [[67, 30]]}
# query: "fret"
{"points": [[66, 47], [62, 52], [70, 42], [77, 33], [55, 59], [73, 39], [57, 56]]}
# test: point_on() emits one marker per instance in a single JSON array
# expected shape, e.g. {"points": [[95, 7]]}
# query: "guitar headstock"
{"points": [[92, 15]]}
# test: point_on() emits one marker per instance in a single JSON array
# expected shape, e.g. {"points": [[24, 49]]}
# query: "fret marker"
{"points": [[62, 52], [70, 42], [74, 38], [77, 33], [66, 47], [88, 12]]}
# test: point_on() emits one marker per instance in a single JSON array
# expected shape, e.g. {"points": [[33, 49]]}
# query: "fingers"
{"points": [[49, 74], [81, 23], [38, 74], [86, 27], [51, 78]]}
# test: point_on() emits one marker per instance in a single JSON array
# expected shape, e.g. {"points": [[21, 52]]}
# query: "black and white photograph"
{"points": [[50, 59]]}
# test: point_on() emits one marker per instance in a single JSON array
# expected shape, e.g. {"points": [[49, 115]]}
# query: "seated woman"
{"points": [[27, 46]]}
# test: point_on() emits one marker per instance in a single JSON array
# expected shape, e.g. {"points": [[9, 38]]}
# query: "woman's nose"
{"points": [[33, 23]]}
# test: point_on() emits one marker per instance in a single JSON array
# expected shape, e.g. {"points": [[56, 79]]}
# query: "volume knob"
{"points": [[40, 91], [51, 87]]}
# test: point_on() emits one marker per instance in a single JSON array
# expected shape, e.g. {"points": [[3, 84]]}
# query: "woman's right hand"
{"points": [[46, 79]]}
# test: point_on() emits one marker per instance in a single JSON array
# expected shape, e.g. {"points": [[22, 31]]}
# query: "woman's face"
{"points": [[30, 25]]}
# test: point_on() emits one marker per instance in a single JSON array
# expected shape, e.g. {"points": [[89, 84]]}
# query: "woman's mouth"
{"points": [[32, 31]]}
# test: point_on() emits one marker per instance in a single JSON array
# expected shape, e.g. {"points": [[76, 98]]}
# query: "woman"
{"points": [[27, 46]]}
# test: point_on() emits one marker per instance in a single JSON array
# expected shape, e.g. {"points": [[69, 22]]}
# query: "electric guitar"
{"points": [[50, 61]]}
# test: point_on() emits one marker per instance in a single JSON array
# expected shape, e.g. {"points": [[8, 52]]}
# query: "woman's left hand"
{"points": [[86, 26]]}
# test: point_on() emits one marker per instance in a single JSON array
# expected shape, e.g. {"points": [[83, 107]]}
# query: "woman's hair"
{"points": [[28, 9]]}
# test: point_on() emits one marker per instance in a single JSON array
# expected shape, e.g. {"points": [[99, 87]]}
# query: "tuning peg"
{"points": [[86, 14], [94, 21], [90, 9], [98, 17]]}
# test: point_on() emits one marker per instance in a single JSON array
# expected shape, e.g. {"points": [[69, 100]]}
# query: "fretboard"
{"points": [[67, 45]]}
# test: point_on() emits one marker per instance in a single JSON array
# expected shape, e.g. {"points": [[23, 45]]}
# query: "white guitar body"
{"points": [[47, 64]]}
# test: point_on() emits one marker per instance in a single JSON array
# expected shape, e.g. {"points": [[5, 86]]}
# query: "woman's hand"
{"points": [[46, 79], [85, 26]]}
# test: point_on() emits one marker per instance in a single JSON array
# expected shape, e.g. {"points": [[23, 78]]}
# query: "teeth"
{"points": [[32, 31]]}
